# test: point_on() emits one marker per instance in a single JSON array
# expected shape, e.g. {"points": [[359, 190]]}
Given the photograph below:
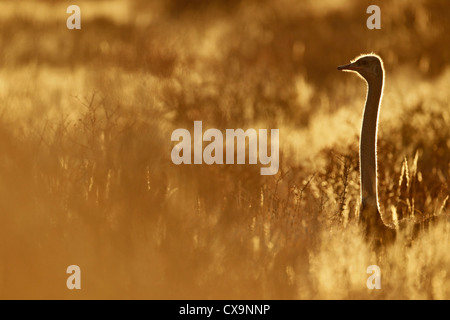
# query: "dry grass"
{"points": [[85, 170]]}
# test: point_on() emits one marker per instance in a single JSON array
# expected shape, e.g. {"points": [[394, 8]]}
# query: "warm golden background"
{"points": [[85, 170]]}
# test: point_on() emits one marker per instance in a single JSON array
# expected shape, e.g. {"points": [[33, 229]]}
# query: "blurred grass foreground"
{"points": [[85, 171]]}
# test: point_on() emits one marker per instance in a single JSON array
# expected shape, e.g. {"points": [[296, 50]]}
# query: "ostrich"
{"points": [[370, 68]]}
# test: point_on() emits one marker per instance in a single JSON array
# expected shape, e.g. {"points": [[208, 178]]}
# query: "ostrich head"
{"points": [[369, 67]]}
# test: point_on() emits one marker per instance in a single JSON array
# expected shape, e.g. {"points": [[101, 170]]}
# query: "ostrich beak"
{"points": [[350, 66]]}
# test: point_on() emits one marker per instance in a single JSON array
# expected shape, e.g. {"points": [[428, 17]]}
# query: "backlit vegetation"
{"points": [[85, 170]]}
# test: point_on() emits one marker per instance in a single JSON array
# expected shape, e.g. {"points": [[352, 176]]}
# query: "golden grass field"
{"points": [[86, 176]]}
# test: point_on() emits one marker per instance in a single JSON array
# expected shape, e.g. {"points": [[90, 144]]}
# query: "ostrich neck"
{"points": [[368, 145]]}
